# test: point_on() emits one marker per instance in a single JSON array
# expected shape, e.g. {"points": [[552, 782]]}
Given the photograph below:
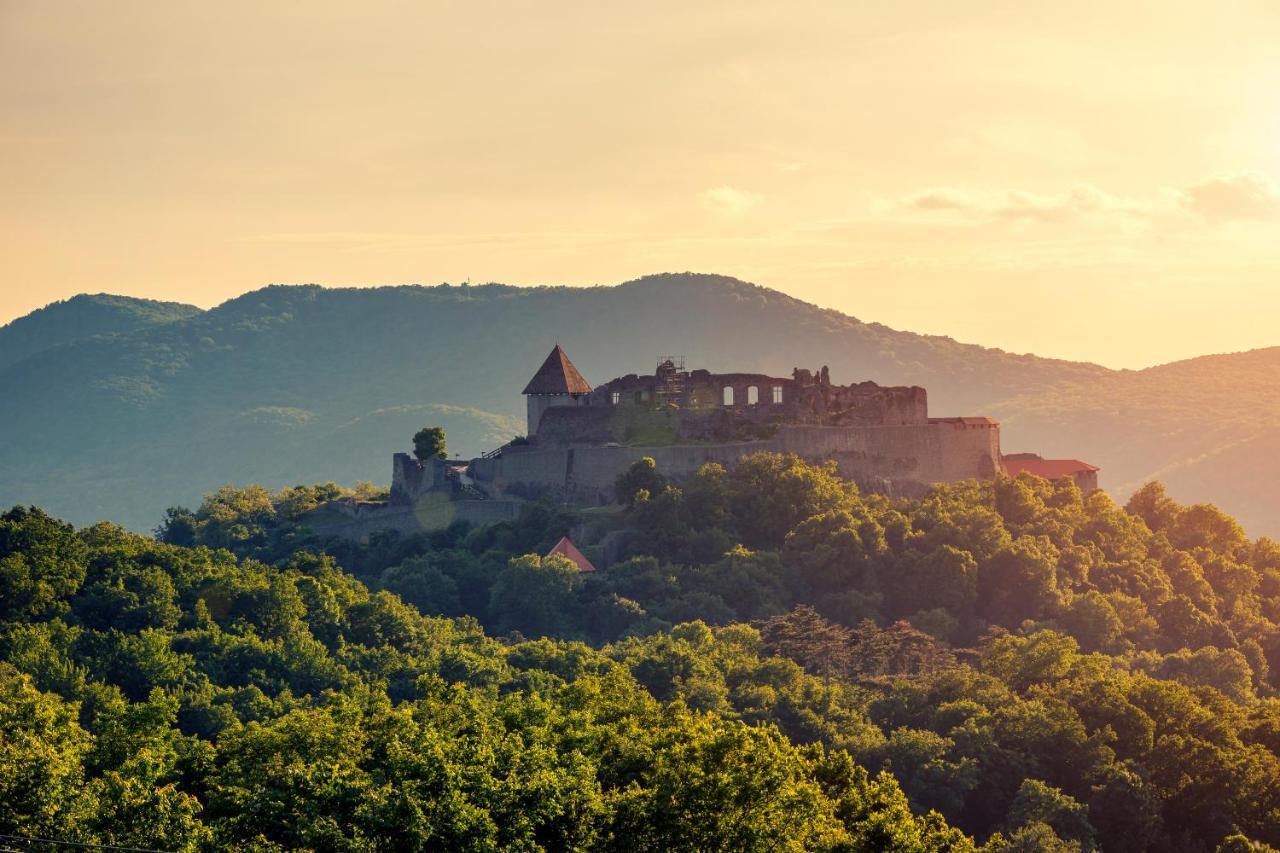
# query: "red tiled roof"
{"points": [[557, 376], [1050, 469], [565, 548]]}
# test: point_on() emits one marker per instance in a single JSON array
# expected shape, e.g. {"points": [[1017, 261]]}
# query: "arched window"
{"points": [[728, 395], [616, 398], [753, 395]]}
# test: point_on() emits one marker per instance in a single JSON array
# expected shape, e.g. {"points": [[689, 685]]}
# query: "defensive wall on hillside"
{"points": [[902, 460]]}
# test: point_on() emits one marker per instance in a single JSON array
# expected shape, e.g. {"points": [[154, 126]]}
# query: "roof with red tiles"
{"points": [[565, 548], [1050, 469], [557, 376]]}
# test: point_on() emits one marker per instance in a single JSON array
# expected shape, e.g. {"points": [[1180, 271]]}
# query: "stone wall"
{"points": [[895, 459], [538, 404], [430, 512], [410, 478]]}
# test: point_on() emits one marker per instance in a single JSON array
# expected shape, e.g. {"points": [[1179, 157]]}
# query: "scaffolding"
{"points": [[669, 375]]}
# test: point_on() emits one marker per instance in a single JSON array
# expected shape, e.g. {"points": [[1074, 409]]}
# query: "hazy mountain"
{"points": [[1208, 427], [84, 316], [299, 384]]}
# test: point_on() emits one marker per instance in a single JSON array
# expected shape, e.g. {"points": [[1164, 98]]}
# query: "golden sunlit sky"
{"points": [[1094, 181]]}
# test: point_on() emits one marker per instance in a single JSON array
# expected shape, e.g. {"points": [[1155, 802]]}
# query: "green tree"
{"points": [[727, 787], [642, 475], [429, 443], [41, 562], [536, 596], [42, 747], [771, 493], [1038, 802]]}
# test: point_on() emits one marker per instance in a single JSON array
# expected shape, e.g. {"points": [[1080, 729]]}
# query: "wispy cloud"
{"points": [[1233, 197], [1017, 205], [1217, 200], [730, 201]]}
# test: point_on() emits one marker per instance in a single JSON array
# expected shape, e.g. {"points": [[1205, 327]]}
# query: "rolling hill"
{"points": [[303, 383]]}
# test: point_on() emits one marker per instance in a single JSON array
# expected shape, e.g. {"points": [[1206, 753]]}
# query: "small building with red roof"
{"points": [[566, 548], [1084, 474]]}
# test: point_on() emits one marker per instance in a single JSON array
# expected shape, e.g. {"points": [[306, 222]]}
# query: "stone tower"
{"points": [[557, 383]]}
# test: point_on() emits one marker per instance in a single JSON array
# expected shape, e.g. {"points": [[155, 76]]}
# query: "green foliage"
{"points": [[1012, 664], [429, 443], [536, 596], [642, 476], [41, 563], [243, 706]]}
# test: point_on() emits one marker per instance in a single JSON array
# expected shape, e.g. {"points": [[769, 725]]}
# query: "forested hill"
{"points": [[297, 384], [779, 663], [84, 316]]}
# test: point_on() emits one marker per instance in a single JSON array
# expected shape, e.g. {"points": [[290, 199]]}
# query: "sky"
{"points": [[1095, 180]]}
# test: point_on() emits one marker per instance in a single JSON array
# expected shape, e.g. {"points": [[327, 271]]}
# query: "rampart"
{"points": [[903, 459]]}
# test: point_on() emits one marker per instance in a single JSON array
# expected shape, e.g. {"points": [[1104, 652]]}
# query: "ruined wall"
{"points": [[806, 398], [410, 478], [864, 404]]}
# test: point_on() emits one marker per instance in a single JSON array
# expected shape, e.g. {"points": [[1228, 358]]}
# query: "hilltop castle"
{"points": [[581, 438]]}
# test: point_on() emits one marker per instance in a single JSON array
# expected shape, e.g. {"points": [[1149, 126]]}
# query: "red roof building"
{"points": [[567, 549], [1085, 475]]}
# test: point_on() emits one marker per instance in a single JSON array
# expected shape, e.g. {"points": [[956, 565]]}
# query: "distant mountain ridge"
{"points": [[302, 383], [84, 316]]}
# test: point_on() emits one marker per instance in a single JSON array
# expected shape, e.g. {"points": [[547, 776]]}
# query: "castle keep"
{"points": [[580, 438]]}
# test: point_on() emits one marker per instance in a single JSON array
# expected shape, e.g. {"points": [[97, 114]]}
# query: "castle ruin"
{"points": [[580, 438]]}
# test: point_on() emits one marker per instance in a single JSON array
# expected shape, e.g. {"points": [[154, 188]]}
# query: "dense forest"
{"points": [[775, 661]]}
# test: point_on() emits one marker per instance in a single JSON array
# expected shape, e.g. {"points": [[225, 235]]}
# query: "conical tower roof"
{"points": [[557, 376]]}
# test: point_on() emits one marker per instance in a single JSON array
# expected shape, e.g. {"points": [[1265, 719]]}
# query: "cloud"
{"points": [[1229, 198], [730, 201], [1225, 198], [1020, 206]]}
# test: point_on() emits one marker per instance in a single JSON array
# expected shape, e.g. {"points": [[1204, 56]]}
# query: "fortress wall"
{"points": [[527, 471], [896, 458], [932, 452], [596, 469], [426, 514]]}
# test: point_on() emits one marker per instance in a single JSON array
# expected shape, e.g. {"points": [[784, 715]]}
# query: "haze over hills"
{"points": [[300, 384]]}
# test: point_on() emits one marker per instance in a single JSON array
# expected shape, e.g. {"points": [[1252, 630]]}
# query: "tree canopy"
{"points": [[770, 659]]}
